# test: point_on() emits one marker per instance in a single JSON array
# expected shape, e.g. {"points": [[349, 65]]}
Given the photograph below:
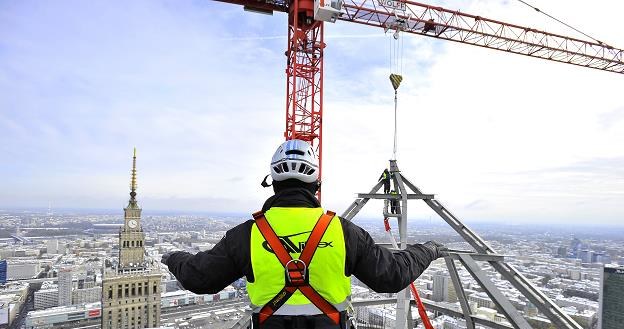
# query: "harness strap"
{"points": [[296, 270]]}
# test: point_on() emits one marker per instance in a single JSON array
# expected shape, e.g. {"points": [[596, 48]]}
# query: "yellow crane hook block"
{"points": [[396, 79]]}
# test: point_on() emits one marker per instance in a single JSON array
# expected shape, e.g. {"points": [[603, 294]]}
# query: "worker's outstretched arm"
{"points": [[382, 269], [208, 272]]}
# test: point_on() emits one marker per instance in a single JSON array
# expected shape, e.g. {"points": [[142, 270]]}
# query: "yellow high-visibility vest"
{"points": [[326, 269]]}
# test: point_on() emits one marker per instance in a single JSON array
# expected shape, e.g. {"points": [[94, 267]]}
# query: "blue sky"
{"points": [[198, 87]]}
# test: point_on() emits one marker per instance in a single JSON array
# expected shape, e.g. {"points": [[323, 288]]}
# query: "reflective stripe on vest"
{"points": [[326, 270]]}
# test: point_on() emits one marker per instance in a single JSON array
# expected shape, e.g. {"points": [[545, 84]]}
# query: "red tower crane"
{"points": [[304, 96], [304, 68]]}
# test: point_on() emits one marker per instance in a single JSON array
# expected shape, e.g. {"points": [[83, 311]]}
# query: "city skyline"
{"points": [[111, 277], [187, 79], [567, 270]]}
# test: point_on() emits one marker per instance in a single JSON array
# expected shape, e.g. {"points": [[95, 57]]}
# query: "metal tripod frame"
{"points": [[468, 260]]}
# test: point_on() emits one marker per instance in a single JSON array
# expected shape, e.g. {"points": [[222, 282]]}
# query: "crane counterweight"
{"points": [[327, 10]]}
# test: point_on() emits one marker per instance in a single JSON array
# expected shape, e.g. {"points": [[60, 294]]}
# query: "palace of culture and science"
{"points": [[131, 286]]}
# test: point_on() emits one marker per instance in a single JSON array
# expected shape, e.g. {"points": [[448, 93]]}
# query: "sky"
{"points": [[198, 87]]}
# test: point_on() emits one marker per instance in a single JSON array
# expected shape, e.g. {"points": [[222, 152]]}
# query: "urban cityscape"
{"points": [[509, 111], [76, 269]]}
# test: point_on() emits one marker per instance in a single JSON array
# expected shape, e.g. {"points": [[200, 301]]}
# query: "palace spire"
{"points": [[133, 183]]}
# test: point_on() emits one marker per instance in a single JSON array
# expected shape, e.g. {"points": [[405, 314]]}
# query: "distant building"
{"points": [[184, 297], [439, 287], [575, 274], [487, 313], [575, 245], [131, 290], [602, 258], [171, 285], [46, 298], [481, 299], [611, 298], [62, 248], [12, 298], [65, 287], [7, 253], [443, 290], [3, 271], [531, 309], [87, 281], [585, 319], [585, 256], [86, 295], [581, 304], [52, 246], [562, 252], [5, 308], [53, 317], [18, 270]]}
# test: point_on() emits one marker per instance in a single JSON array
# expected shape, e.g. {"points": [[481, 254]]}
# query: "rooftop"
{"points": [[64, 309]]}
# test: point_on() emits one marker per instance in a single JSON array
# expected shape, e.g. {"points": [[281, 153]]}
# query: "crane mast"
{"points": [[304, 69], [304, 76]]}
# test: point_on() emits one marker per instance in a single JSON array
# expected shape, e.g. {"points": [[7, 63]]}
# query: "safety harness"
{"points": [[296, 269]]}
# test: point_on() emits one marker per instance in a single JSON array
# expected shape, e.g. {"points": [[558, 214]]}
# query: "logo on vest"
{"points": [[295, 247]]}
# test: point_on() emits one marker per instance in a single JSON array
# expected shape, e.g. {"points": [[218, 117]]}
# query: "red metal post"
{"points": [[304, 73]]}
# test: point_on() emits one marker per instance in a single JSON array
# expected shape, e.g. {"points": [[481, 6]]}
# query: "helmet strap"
{"points": [[264, 182]]}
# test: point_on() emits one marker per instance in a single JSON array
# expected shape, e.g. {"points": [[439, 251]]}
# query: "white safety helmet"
{"points": [[295, 159]]}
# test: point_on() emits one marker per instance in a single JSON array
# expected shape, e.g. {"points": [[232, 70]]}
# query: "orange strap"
{"points": [[421, 307], [296, 269]]}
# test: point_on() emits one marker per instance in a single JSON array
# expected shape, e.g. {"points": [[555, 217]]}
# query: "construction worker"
{"points": [[385, 177], [395, 207], [296, 258]]}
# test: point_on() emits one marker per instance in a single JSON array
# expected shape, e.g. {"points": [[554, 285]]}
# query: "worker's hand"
{"points": [[165, 257], [438, 249]]}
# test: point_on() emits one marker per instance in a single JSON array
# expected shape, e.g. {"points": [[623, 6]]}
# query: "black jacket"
{"points": [[379, 268]]}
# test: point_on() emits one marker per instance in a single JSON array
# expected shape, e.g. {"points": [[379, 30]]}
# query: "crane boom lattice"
{"points": [[437, 22]]}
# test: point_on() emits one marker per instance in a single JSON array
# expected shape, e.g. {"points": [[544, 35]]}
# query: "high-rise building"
{"points": [[62, 248], [562, 252], [585, 256], [443, 289], [611, 300], [52, 246], [439, 286], [65, 287], [131, 288], [3, 271], [575, 246]]}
